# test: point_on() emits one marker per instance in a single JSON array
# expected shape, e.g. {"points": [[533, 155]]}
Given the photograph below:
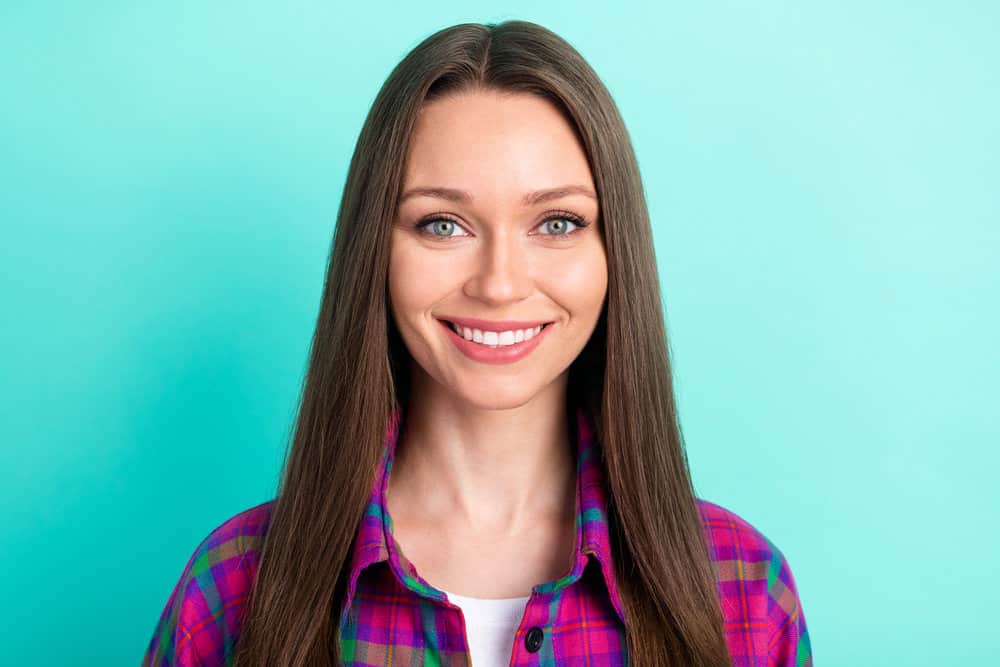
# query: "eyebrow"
{"points": [[531, 198]]}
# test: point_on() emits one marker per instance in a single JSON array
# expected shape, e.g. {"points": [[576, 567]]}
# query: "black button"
{"points": [[533, 641]]}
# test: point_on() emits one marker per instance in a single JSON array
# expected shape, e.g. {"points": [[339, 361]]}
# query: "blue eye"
{"points": [[437, 223], [560, 230], [441, 224]]}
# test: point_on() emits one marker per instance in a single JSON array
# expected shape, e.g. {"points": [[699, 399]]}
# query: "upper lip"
{"points": [[493, 325]]}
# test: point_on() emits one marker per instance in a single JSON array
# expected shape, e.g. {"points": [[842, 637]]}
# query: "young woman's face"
{"points": [[504, 188]]}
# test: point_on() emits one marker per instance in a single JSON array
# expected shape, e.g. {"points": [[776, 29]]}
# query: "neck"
{"points": [[493, 471]]}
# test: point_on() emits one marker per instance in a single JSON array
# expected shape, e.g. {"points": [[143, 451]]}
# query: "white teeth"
{"points": [[496, 339]]}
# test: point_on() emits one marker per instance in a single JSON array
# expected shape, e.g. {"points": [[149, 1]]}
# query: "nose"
{"points": [[503, 272]]}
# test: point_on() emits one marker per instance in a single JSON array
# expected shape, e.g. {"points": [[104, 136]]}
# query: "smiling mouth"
{"points": [[450, 323], [459, 331]]}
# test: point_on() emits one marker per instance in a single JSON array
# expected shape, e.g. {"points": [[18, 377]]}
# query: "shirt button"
{"points": [[533, 641]]}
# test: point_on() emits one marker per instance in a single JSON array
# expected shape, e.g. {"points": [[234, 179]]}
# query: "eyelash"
{"points": [[555, 215]]}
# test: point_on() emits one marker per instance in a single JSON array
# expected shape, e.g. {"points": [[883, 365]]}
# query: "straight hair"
{"points": [[358, 373]]}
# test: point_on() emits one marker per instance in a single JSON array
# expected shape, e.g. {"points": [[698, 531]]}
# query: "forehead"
{"points": [[490, 142]]}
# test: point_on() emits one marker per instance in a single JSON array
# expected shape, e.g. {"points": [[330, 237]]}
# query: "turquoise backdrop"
{"points": [[823, 179]]}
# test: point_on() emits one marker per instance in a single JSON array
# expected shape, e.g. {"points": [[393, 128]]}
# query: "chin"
{"points": [[497, 396]]}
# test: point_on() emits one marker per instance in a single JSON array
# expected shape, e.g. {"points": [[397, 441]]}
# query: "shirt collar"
{"points": [[374, 542]]}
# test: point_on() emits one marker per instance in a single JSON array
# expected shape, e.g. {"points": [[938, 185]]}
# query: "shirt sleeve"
{"points": [[162, 650], [788, 639], [199, 624]]}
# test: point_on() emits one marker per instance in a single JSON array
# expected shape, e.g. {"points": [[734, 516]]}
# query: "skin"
{"points": [[484, 475]]}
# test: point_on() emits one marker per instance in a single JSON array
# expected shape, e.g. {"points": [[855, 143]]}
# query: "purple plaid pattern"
{"points": [[391, 615]]}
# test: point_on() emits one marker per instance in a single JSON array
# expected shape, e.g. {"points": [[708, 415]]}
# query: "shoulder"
{"points": [[239, 536], [730, 536], [200, 622], [740, 551], [759, 596]]}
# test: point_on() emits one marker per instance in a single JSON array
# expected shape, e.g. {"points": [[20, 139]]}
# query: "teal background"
{"points": [[823, 182]]}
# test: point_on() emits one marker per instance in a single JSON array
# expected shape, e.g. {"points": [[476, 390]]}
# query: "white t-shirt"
{"points": [[490, 626]]}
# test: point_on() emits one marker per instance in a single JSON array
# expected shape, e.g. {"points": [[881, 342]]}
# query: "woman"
{"points": [[491, 335]]}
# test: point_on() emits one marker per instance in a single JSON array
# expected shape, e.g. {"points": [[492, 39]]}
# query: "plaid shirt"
{"points": [[391, 615]]}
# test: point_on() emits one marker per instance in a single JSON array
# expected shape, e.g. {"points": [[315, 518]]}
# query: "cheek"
{"points": [[402, 288], [416, 279], [581, 281]]}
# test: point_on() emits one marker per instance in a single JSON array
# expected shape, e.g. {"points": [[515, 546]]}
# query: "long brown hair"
{"points": [[358, 368]]}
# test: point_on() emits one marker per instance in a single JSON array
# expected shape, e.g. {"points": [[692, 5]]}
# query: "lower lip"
{"points": [[496, 355]]}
